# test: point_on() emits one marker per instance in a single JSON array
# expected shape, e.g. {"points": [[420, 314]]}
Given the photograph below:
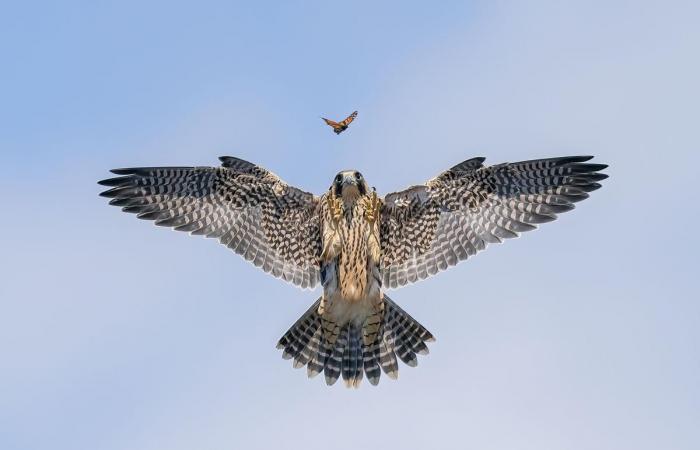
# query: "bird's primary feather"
{"points": [[431, 227], [247, 208]]}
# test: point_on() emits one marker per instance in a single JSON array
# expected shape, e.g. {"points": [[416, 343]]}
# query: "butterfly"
{"points": [[339, 127]]}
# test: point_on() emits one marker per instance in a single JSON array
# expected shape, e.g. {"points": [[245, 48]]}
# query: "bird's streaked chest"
{"points": [[352, 243]]}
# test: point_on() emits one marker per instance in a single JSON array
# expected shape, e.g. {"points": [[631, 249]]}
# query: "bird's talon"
{"points": [[335, 205], [372, 206]]}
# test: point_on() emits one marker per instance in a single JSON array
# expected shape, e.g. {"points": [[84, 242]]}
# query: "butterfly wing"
{"points": [[339, 127], [331, 123], [348, 119]]}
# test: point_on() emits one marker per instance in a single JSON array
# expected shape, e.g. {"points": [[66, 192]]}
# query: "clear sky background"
{"points": [[115, 334]]}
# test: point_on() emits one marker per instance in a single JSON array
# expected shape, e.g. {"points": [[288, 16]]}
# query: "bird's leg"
{"points": [[331, 237], [335, 206], [372, 207]]}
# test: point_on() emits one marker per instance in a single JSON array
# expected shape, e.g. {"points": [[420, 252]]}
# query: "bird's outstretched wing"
{"points": [[428, 228], [246, 207]]}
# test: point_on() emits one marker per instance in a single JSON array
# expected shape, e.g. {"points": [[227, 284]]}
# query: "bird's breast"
{"points": [[352, 270]]}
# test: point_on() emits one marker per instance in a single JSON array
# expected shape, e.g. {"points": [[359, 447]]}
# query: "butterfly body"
{"points": [[339, 127]]}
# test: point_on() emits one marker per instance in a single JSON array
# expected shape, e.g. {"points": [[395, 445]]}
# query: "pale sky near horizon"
{"points": [[116, 334]]}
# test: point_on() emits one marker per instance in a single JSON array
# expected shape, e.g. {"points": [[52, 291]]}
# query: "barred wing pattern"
{"points": [[248, 208], [428, 228]]}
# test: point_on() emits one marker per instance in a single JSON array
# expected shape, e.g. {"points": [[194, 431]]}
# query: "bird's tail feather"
{"points": [[302, 340], [399, 335]]}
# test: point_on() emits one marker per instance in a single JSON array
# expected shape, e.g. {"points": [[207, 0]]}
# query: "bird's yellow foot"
{"points": [[335, 206], [372, 207]]}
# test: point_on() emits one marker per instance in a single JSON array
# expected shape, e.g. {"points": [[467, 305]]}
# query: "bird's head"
{"points": [[349, 185]]}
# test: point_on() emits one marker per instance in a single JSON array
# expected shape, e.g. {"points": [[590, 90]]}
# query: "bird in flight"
{"points": [[339, 127], [354, 243]]}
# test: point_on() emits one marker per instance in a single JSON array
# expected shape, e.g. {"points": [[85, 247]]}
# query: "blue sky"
{"points": [[119, 335]]}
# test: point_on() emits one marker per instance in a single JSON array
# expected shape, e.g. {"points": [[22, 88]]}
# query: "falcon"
{"points": [[353, 242], [339, 127]]}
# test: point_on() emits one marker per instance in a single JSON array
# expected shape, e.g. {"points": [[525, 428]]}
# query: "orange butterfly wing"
{"points": [[331, 123], [349, 119], [339, 127]]}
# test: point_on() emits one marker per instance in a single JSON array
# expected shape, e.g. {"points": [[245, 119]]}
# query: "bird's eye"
{"points": [[358, 175], [338, 178]]}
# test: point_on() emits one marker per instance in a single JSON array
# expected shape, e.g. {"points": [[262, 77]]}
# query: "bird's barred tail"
{"points": [[399, 336]]}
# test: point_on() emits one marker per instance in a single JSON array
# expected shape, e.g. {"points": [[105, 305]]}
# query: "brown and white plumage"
{"points": [[355, 243], [430, 227], [247, 208]]}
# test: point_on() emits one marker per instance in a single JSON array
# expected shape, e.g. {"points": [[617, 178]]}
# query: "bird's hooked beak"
{"points": [[349, 180]]}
